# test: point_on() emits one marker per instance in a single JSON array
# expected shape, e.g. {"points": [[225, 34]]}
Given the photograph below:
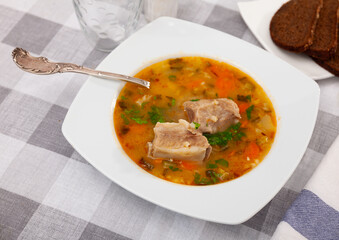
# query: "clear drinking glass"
{"points": [[107, 23]]}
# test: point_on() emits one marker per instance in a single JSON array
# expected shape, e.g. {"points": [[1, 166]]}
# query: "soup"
{"points": [[177, 87]]}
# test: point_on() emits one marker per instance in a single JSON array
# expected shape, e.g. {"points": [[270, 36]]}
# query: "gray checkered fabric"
{"points": [[48, 191]]}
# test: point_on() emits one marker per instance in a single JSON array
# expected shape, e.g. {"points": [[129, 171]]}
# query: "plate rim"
{"points": [[70, 140]]}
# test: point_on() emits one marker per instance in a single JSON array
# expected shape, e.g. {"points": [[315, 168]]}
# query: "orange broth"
{"points": [[175, 81]]}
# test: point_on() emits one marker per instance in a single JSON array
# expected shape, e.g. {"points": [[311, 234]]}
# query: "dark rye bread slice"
{"points": [[326, 32], [331, 65], [292, 26]]}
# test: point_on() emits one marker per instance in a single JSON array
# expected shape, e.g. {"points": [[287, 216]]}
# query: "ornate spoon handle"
{"points": [[41, 65]]}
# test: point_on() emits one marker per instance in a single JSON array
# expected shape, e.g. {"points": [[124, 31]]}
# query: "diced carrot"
{"points": [[193, 84], [243, 106], [244, 123], [225, 82], [231, 154], [188, 165], [225, 86], [220, 72], [252, 150]]}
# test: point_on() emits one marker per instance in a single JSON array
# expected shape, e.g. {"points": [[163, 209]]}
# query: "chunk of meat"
{"points": [[213, 115], [178, 141]]}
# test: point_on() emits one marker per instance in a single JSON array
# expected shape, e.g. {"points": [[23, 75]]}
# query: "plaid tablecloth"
{"points": [[48, 191]]}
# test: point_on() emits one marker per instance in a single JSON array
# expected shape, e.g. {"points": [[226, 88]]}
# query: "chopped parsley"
{"points": [[172, 77], [222, 138], [243, 98], [132, 111], [126, 121], [249, 111], [222, 162], [123, 97], [133, 114], [173, 101], [139, 120], [197, 177], [215, 177], [211, 165], [143, 105], [201, 180], [171, 165], [194, 100], [155, 115], [197, 125], [174, 169]]}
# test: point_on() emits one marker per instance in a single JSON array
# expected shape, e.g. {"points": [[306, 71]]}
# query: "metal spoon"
{"points": [[41, 65]]}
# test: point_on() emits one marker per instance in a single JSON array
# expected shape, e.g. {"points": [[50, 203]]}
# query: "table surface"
{"points": [[48, 191]]}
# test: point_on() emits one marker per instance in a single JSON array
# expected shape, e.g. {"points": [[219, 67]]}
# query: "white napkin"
{"points": [[315, 213]]}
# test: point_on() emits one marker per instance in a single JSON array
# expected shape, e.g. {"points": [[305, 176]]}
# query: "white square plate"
{"points": [[88, 124], [258, 15]]}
